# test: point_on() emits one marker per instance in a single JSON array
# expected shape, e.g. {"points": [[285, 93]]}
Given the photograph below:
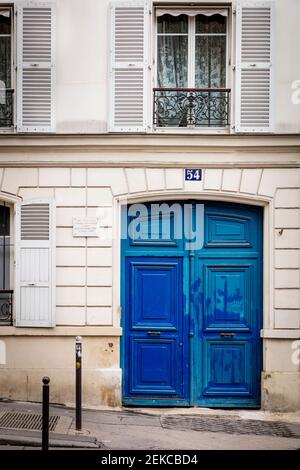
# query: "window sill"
{"points": [[194, 131], [7, 130]]}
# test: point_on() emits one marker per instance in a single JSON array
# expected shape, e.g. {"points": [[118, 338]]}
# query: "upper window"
{"points": [[30, 42], [191, 70], [6, 91]]}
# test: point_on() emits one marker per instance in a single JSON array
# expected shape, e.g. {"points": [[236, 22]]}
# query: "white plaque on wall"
{"points": [[85, 226]]}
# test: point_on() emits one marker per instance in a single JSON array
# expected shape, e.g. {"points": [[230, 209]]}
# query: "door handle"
{"points": [[224, 333], [153, 333]]}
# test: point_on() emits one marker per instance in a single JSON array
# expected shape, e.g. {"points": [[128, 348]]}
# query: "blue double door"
{"points": [[192, 315]]}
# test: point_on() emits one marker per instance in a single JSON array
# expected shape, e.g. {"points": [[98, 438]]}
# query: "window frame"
{"points": [[9, 129], [12, 259], [191, 68], [11, 242]]}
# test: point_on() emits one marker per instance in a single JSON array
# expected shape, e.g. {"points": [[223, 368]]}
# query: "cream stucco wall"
{"points": [[82, 55], [29, 359]]}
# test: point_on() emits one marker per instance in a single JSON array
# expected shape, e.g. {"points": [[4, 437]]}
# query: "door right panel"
{"points": [[227, 347]]}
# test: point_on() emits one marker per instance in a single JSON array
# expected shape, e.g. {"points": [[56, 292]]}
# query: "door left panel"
{"points": [[154, 352]]}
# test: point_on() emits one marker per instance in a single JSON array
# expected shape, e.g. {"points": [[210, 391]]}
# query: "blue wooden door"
{"points": [[192, 318]]}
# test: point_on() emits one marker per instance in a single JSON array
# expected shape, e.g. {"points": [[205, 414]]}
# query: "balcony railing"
{"points": [[6, 307], [191, 107], [6, 107]]}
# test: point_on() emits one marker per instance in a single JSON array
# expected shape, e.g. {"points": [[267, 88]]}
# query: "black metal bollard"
{"points": [[45, 417], [78, 385]]}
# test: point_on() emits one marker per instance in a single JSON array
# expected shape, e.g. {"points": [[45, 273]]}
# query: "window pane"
{"points": [[5, 62], [210, 24], [210, 62], [4, 221], [5, 23], [172, 24], [5, 249], [5, 256], [172, 61]]}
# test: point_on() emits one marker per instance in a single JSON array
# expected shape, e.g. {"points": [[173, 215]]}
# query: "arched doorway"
{"points": [[192, 312]]}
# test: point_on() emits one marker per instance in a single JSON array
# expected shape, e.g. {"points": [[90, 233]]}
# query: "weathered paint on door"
{"points": [[192, 318], [226, 347]]}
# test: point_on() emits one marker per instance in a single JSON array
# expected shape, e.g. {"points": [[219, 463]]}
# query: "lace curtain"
{"points": [[5, 49], [172, 51], [5, 68], [210, 51]]}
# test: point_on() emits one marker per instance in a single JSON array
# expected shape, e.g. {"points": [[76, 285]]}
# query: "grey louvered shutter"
{"points": [[254, 67], [128, 66], [35, 263], [35, 67]]}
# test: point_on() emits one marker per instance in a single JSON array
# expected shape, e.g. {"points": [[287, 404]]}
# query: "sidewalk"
{"points": [[107, 429]]}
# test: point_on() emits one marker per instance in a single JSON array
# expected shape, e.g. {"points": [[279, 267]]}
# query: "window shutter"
{"points": [[254, 68], [128, 66], [35, 67], [35, 263]]}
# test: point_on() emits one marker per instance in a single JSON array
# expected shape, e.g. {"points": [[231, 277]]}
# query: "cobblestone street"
{"points": [[150, 429]]}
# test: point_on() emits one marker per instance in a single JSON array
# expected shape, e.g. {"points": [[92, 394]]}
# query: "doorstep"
{"points": [[289, 417]]}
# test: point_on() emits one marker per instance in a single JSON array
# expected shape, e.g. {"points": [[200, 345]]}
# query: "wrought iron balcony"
{"points": [[191, 107], [6, 107], [6, 307]]}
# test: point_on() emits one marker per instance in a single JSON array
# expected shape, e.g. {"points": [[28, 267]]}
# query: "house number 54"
{"points": [[192, 175]]}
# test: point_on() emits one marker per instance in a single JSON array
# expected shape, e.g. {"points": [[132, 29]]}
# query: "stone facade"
{"points": [[88, 269]]}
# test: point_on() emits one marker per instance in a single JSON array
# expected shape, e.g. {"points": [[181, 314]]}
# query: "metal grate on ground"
{"points": [[33, 421], [230, 426]]}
